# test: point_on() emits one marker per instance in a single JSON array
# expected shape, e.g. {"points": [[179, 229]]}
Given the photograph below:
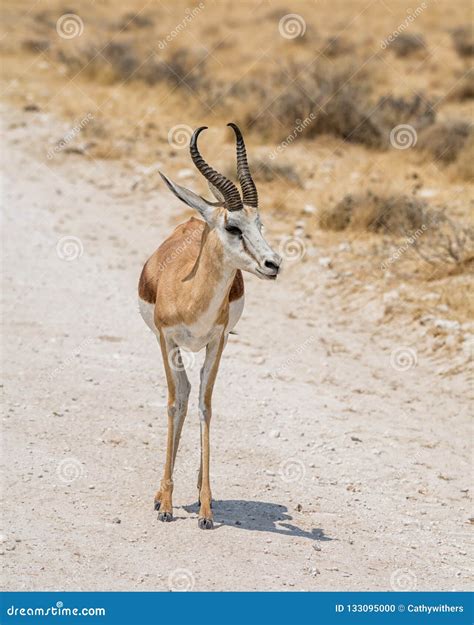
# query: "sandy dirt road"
{"points": [[335, 464]]}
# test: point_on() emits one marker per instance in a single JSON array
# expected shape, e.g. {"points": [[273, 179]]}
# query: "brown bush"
{"points": [[36, 45], [463, 40], [122, 61], [463, 166], [131, 20], [337, 46], [122, 58], [336, 97], [333, 95], [270, 170], [447, 246], [445, 140], [407, 44], [395, 214], [464, 90], [416, 111]]}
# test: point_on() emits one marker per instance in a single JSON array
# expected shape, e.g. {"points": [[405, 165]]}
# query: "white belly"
{"points": [[196, 336], [147, 312]]}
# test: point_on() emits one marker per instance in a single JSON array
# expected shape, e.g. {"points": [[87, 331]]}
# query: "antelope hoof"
{"points": [[166, 517], [157, 500], [205, 524]]}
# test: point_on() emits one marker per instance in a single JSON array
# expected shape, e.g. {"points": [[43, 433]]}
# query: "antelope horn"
{"points": [[249, 190], [228, 189]]}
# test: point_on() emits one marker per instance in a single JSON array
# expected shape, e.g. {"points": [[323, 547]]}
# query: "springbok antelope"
{"points": [[191, 295]]}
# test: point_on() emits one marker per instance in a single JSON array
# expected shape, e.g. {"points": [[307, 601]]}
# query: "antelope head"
{"points": [[235, 219]]}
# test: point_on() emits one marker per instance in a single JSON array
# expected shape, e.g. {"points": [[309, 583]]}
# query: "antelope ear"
{"points": [[217, 194], [205, 208]]}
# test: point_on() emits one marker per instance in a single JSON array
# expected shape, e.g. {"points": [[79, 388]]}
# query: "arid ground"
{"points": [[341, 435]]}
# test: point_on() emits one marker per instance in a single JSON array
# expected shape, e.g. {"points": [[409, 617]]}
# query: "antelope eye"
{"points": [[234, 230]]}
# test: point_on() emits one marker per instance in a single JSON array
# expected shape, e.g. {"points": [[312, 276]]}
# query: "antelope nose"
{"points": [[274, 265]]}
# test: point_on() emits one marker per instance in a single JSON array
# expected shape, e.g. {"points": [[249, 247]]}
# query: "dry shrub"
{"points": [[185, 66], [267, 170], [407, 44], [447, 246], [36, 45], [445, 140], [131, 20], [463, 167], [113, 62], [464, 90], [336, 97], [463, 40], [395, 214], [333, 94], [119, 61], [122, 58], [391, 111], [337, 46]]}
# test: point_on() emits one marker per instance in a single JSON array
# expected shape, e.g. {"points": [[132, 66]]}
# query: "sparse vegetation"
{"points": [[447, 246], [464, 90], [463, 40], [407, 44], [391, 214], [269, 170], [351, 93], [445, 140]]}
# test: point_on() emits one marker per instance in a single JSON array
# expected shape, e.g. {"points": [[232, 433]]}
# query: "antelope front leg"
{"points": [[208, 376], [178, 394]]}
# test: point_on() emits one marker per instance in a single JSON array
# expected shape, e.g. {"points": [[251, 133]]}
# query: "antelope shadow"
{"points": [[259, 516]]}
